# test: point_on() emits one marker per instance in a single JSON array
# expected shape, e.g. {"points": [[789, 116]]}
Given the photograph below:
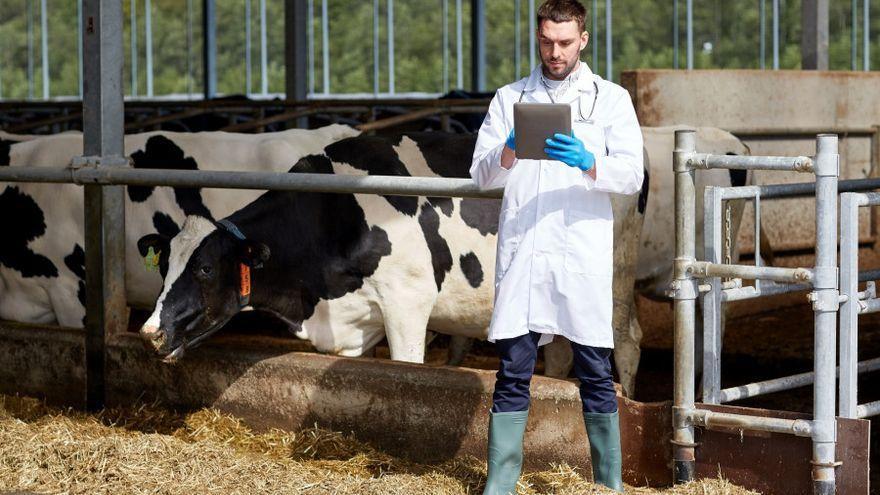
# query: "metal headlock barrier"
{"points": [[822, 278]]}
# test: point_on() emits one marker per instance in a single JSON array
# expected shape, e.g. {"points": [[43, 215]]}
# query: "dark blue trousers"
{"points": [[592, 366]]}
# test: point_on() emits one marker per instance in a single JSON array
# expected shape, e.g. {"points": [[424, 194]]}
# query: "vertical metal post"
{"points": [[853, 44], [264, 52], [103, 111], [776, 34], [478, 45], [825, 305], [30, 48], [310, 16], [459, 49], [376, 48], [132, 23], [675, 34], [690, 34], [148, 41], [532, 34], [296, 65], [685, 289], [79, 46], [247, 47], [814, 34], [866, 36], [712, 247], [763, 22], [445, 37], [849, 309], [209, 48], [517, 53], [325, 49], [595, 39], [189, 35], [44, 45], [390, 35], [609, 47]]}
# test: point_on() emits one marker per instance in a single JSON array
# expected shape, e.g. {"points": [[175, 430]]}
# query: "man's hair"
{"points": [[563, 11]]}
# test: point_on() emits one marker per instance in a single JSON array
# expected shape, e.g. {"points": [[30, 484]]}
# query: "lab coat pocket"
{"points": [[588, 243], [509, 237]]}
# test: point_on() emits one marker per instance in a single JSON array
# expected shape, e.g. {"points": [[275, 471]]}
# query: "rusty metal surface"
{"points": [[428, 413], [774, 463]]}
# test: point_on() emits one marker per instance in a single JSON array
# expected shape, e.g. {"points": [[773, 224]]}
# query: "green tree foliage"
{"points": [[726, 35]]}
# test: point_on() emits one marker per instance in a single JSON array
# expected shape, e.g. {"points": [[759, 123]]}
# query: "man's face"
{"points": [[560, 47]]}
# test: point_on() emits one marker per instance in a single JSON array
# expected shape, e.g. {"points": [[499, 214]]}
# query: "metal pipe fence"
{"points": [[822, 278]]}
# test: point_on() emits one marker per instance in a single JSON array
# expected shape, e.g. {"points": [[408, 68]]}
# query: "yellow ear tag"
{"points": [[151, 260]]}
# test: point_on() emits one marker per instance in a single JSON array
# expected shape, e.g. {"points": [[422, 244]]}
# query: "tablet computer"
{"points": [[534, 123]]}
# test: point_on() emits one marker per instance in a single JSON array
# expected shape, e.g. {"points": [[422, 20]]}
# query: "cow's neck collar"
{"points": [[244, 271]]}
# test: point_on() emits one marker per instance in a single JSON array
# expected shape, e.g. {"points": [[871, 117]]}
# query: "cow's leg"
{"points": [[406, 330], [558, 358], [627, 350], [459, 346]]}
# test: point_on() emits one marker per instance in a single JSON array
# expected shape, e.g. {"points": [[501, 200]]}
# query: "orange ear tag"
{"points": [[245, 289]]}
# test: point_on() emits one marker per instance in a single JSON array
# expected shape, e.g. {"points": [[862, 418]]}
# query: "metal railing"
{"points": [[822, 278], [854, 303]]}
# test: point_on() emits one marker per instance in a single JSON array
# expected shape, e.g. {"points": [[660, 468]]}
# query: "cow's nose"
{"points": [[154, 338]]}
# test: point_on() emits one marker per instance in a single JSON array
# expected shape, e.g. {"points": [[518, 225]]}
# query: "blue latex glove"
{"points": [[511, 140], [570, 151]]}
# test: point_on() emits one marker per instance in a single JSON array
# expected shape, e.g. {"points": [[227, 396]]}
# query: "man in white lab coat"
{"points": [[553, 271]]}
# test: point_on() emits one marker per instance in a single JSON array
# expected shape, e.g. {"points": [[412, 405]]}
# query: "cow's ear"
{"points": [[158, 242], [254, 254]]}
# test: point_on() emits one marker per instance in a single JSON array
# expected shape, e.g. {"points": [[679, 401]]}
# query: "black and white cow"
{"points": [[41, 256]]}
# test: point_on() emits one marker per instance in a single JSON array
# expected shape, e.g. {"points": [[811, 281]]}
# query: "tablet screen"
{"points": [[536, 122]]}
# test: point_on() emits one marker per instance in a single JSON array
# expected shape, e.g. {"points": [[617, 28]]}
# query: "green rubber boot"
{"points": [[603, 430], [506, 431]]}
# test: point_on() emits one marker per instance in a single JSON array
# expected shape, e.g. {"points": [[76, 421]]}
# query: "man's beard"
{"points": [[561, 73]]}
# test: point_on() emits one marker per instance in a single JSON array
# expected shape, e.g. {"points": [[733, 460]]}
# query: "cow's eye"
{"points": [[206, 270]]}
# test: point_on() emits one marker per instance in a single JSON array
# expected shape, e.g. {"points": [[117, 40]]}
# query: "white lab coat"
{"points": [[553, 270]]}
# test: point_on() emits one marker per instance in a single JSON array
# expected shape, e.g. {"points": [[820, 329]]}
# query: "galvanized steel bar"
{"points": [[710, 420], [690, 34], [517, 35], [785, 383], [264, 52], [106, 310], [44, 47], [609, 42], [712, 301], [866, 36], [869, 306], [79, 47], [389, 17], [814, 34], [247, 48], [702, 269], [825, 306], [849, 310], [776, 34], [794, 164], [869, 275], [445, 39], [685, 294], [148, 41], [459, 44], [209, 48], [133, 63], [375, 184], [767, 289], [297, 58], [868, 410], [675, 34]]}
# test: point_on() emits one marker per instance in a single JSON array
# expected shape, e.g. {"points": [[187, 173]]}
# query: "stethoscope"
{"points": [[588, 119]]}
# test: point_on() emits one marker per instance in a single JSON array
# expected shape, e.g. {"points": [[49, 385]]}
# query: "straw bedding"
{"points": [[150, 450]]}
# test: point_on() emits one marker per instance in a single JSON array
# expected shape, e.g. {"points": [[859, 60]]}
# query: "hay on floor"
{"points": [[150, 450]]}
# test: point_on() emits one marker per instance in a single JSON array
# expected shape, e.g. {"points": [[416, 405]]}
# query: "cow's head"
{"points": [[207, 281]]}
